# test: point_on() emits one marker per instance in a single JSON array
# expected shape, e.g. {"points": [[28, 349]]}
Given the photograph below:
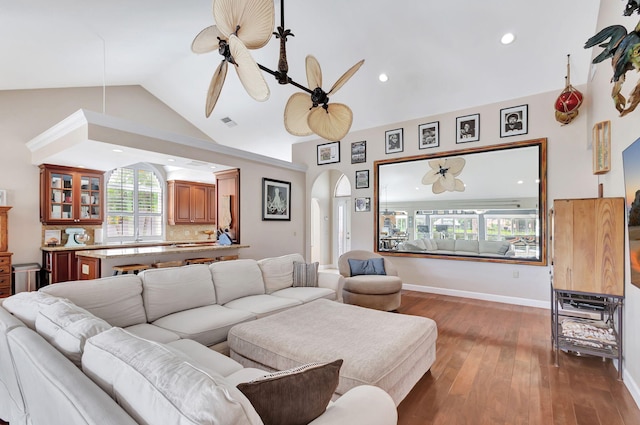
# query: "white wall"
{"points": [[568, 176], [25, 114], [624, 131]]}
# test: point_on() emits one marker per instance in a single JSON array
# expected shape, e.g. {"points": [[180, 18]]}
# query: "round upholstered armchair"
{"points": [[370, 280]]}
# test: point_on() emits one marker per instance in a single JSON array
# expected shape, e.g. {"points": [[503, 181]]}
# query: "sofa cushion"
{"points": [[207, 325], [371, 266], [494, 247], [206, 357], [172, 289], [305, 274], [262, 305], [277, 272], [152, 333], [306, 294], [156, 384], [293, 397], [116, 299], [67, 326], [26, 305], [466, 246], [445, 244], [236, 279]]}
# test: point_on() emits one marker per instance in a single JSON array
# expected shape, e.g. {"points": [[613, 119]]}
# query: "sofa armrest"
{"points": [[332, 281], [362, 405]]}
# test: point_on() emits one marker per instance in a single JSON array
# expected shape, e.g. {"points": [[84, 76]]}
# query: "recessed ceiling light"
{"points": [[383, 77], [508, 38], [213, 167], [171, 160], [118, 150], [520, 182]]}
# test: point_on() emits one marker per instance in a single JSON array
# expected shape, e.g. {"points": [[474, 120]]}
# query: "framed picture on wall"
{"points": [[358, 152], [514, 121], [429, 135], [276, 200], [362, 179], [393, 141], [363, 204], [468, 128], [328, 153]]}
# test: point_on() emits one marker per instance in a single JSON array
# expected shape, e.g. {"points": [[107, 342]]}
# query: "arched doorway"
{"points": [[330, 215]]}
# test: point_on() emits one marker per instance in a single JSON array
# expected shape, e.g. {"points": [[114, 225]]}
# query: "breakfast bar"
{"points": [[100, 262]]}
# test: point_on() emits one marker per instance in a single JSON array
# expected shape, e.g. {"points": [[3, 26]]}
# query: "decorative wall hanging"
{"points": [[328, 153], [363, 204], [468, 128], [429, 135], [362, 179], [569, 101], [624, 51], [358, 152], [514, 121], [243, 25], [276, 200], [632, 6], [394, 142], [602, 147]]}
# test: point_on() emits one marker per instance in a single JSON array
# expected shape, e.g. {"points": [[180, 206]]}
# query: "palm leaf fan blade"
{"points": [[314, 73], [215, 87], [448, 182], [455, 165], [459, 185], [250, 76], [345, 77], [296, 113], [256, 19], [333, 123], [206, 41], [437, 187], [430, 177]]}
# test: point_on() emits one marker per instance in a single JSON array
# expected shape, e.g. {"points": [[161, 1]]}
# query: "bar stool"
{"points": [[203, 260], [164, 264], [126, 268]]}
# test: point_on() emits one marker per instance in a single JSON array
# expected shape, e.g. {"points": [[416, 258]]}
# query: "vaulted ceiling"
{"points": [[439, 56]]}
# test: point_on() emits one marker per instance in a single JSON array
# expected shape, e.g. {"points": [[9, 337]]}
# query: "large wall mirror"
{"points": [[479, 204]]}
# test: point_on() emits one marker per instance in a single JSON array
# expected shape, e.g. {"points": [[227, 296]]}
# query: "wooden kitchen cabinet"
{"points": [[191, 203], [70, 195], [59, 266], [5, 256], [228, 190]]}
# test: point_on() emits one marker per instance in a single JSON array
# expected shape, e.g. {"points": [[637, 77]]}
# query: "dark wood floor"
{"points": [[494, 366]]}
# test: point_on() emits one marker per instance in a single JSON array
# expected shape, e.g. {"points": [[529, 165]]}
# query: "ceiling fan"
{"points": [[243, 25], [443, 173]]}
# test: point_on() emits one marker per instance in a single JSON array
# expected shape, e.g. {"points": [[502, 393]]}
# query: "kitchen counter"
{"points": [[179, 248], [113, 245]]}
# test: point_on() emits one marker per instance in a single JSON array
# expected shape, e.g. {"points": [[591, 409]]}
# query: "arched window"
{"points": [[134, 204], [343, 187]]}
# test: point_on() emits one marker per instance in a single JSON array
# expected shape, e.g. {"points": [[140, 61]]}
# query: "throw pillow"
{"points": [[305, 274], [295, 396], [370, 266]]}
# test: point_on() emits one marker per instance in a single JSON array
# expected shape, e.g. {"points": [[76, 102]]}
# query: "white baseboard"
{"points": [[629, 382], [477, 295]]}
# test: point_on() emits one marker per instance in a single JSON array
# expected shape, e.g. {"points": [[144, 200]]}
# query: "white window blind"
{"points": [[134, 204]]}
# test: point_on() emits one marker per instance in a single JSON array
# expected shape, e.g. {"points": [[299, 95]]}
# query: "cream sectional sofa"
{"points": [[142, 349], [459, 247]]}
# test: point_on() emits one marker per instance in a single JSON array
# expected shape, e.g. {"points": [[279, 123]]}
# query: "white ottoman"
{"points": [[389, 350]]}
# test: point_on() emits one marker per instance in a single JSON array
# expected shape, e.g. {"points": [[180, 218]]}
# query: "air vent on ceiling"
{"points": [[196, 164], [229, 122]]}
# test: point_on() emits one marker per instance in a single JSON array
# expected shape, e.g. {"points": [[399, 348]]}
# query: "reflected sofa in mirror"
{"points": [[477, 204]]}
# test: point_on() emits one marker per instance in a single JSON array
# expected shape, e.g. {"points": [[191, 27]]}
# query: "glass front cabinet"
{"points": [[70, 195]]}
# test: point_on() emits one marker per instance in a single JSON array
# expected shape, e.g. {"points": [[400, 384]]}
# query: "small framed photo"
{"points": [[429, 135], [468, 128], [362, 179], [3, 198], [601, 147], [363, 204], [393, 141], [358, 152], [52, 237], [328, 153], [514, 121], [276, 200]]}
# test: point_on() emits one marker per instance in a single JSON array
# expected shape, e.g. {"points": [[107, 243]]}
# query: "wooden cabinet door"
{"points": [[182, 205], [588, 245], [211, 205], [189, 203], [5, 274], [198, 204], [63, 266]]}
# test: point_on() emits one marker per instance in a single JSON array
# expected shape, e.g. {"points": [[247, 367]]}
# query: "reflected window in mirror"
{"points": [[478, 204]]}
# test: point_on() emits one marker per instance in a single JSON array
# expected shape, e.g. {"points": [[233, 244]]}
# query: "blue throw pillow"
{"points": [[364, 267]]}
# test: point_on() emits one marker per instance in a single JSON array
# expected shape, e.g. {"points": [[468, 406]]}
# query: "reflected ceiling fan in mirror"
{"points": [[443, 173], [248, 24]]}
